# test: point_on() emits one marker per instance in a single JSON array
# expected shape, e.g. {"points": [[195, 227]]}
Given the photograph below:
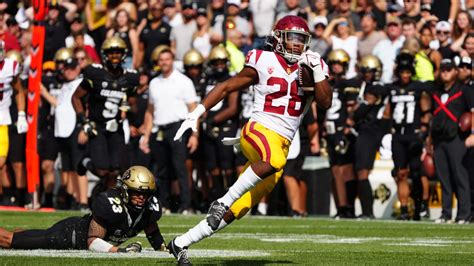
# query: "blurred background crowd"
{"points": [[209, 41]]}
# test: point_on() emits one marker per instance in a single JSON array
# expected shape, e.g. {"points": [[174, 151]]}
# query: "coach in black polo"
{"points": [[450, 101]]}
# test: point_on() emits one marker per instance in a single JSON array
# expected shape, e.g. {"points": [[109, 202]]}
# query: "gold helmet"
{"points": [[193, 58], [339, 56], [63, 54], [157, 51], [397, 208], [15, 55], [371, 63], [218, 53], [113, 43], [136, 178]]}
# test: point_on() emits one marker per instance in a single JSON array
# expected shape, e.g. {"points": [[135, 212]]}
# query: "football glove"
{"points": [[21, 123], [190, 122], [313, 60], [90, 128], [134, 247]]}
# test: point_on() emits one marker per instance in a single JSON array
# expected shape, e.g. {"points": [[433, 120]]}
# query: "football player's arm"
{"points": [[323, 94], [77, 103], [230, 111], [154, 236], [48, 97], [21, 94], [95, 238], [248, 76]]}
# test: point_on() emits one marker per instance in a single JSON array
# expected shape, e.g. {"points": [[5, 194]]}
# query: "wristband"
{"points": [[81, 119], [197, 112], [21, 113], [99, 245]]}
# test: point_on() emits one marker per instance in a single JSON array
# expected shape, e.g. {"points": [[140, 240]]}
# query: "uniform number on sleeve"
{"points": [[292, 105]]}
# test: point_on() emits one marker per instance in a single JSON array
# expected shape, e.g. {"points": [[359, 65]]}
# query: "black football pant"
{"points": [[70, 233], [469, 164], [448, 157], [170, 157]]}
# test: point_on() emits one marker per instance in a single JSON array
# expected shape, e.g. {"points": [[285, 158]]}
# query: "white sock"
{"points": [[197, 233], [247, 180], [262, 208]]}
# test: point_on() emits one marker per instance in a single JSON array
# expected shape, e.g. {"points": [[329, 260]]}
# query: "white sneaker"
{"points": [[443, 220]]}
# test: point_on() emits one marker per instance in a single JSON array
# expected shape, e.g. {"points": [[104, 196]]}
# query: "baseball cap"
{"points": [[394, 20], [426, 7], [49, 65], [443, 26], [320, 20], [70, 63], [169, 3], [189, 4], [465, 61], [447, 63], [234, 2], [202, 11]]}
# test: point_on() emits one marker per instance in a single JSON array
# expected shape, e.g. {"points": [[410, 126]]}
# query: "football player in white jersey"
{"points": [[278, 109], [9, 81]]}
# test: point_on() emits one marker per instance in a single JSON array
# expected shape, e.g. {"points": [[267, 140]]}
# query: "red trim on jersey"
{"points": [[257, 56], [263, 140], [285, 65], [251, 141], [2, 64], [14, 66], [443, 106]]}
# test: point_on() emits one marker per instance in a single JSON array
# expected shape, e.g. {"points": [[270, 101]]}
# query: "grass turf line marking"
{"points": [[146, 253]]}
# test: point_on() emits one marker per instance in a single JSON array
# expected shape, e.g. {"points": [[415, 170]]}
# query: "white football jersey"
{"points": [[8, 70], [65, 116], [279, 102]]}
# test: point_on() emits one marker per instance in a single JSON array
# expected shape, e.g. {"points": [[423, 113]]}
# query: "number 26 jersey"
{"points": [[278, 102]]}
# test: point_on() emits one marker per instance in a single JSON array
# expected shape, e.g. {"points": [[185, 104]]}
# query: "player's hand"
{"points": [[193, 143], [144, 144], [21, 123], [82, 138], [134, 247], [470, 141], [318, 66], [190, 122]]}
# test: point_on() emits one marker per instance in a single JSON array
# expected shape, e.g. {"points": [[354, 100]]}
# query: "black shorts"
{"points": [[366, 146], [406, 151], [71, 152], [70, 233], [336, 158], [136, 155], [108, 150], [48, 147], [218, 155], [17, 145], [294, 167]]}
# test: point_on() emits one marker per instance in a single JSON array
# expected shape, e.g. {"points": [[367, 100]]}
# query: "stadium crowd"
{"points": [[396, 67]]}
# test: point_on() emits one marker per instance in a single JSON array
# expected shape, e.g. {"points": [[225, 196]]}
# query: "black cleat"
{"points": [[181, 254], [215, 214], [425, 210]]}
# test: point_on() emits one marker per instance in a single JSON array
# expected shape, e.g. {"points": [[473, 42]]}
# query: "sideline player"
{"points": [[10, 82], [117, 215], [265, 139]]}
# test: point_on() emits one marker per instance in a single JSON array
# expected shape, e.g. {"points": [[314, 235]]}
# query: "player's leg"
{"points": [[3, 155], [366, 149], [267, 152], [400, 160]]}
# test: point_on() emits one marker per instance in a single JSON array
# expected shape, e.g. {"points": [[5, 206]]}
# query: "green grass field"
{"points": [[280, 241]]}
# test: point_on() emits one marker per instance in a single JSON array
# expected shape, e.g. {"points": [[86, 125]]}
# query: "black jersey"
{"points": [[405, 106], [336, 115], [211, 82], [246, 99], [106, 91], [368, 116], [121, 222]]}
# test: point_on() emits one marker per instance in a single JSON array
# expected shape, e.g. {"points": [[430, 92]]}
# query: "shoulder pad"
{"points": [[108, 207]]}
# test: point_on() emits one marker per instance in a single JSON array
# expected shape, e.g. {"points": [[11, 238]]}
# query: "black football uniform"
{"points": [[47, 145], [217, 154], [335, 124], [407, 143], [108, 209], [106, 94], [368, 123], [136, 155]]}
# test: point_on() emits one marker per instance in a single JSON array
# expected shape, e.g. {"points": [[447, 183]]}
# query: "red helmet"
{"points": [[290, 29]]}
